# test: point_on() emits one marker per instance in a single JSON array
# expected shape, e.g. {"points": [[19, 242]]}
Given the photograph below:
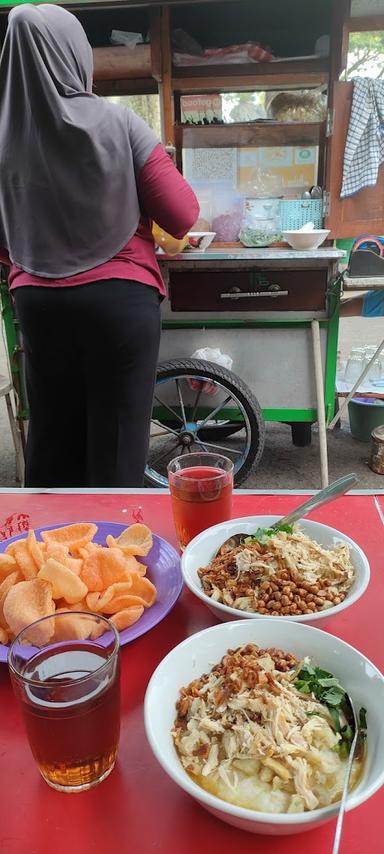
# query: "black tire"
{"points": [[230, 381], [301, 433], [221, 432]]}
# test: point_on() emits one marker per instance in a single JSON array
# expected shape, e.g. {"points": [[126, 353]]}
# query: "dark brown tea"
{"points": [[72, 713]]}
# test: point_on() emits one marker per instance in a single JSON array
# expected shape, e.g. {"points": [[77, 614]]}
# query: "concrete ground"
{"points": [[283, 466]]}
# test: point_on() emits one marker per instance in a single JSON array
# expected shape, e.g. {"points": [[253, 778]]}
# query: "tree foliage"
{"points": [[145, 106], [366, 54]]}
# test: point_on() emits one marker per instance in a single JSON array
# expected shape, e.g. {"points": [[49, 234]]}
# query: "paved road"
{"points": [[283, 466]]}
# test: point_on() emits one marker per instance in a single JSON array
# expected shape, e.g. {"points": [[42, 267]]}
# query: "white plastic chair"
{"points": [[7, 391]]}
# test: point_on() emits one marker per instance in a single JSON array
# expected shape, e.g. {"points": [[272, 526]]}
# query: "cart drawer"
{"points": [[248, 290]]}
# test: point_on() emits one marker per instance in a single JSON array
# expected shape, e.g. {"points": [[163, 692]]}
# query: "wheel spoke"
{"points": [[220, 448], [198, 396], [215, 411], [169, 408], [167, 453], [181, 402], [201, 445], [164, 427]]}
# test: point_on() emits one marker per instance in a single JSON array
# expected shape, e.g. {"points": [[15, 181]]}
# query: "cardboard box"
{"points": [[196, 108]]}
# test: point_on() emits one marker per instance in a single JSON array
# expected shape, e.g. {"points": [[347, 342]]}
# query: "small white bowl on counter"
{"points": [[200, 652], [306, 239], [200, 551], [199, 240]]}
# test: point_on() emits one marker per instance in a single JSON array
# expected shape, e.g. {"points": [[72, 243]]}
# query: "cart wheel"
{"points": [[301, 433], [195, 402]]}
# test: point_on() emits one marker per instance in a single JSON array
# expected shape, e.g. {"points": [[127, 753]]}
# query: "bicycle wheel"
{"points": [[195, 402]]}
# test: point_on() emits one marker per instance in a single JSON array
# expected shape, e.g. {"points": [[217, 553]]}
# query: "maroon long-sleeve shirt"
{"points": [[166, 198]]}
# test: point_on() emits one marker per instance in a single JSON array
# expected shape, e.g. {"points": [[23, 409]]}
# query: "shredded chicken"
{"points": [[290, 574], [245, 728]]}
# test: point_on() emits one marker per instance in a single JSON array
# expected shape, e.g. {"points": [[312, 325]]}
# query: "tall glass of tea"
{"points": [[201, 493], [65, 674]]}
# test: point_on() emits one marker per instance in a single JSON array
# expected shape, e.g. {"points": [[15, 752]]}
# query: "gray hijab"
{"points": [[68, 160]]}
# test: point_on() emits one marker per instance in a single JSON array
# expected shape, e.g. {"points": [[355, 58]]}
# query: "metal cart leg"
{"points": [[6, 392], [320, 402]]}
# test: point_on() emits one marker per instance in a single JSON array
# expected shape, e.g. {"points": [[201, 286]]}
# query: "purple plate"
{"points": [[163, 564]]}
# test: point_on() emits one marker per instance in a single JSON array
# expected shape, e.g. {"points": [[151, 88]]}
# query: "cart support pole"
{"points": [[320, 402]]}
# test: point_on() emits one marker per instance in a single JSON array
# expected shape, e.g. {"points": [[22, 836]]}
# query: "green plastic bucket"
{"points": [[365, 413]]}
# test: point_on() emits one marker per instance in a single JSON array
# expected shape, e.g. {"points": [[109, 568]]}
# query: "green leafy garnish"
{"points": [[363, 722], [262, 535], [326, 688]]}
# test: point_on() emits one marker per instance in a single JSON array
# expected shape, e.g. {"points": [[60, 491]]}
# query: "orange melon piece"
{"points": [[135, 540], [24, 560], [127, 617], [104, 567], [74, 536]]}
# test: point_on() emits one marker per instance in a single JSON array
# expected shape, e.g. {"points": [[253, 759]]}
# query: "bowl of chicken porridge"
{"points": [[306, 573], [240, 717]]}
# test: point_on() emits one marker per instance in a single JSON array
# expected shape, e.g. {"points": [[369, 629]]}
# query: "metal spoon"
{"points": [[316, 193], [324, 496], [340, 817]]}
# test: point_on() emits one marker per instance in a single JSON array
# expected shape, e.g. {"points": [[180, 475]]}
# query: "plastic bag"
{"points": [[260, 224], [121, 37], [210, 354]]}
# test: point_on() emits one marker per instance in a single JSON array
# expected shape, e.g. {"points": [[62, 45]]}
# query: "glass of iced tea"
{"points": [[201, 493], [65, 674]]}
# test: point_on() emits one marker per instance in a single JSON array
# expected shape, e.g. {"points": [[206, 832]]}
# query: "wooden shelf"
{"points": [[261, 133], [139, 86], [254, 75], [120, 63]]}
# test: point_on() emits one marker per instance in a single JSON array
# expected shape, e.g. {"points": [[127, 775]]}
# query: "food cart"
{"points": [[271, 309]]}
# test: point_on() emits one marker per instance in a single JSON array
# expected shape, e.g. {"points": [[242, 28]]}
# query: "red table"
{"points": [[138, 809]]}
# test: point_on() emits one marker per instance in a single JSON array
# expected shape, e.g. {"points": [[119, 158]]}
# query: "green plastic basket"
{"points": [[297, 212]]}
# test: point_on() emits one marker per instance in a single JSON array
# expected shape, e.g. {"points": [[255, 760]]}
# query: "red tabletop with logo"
{"points": [[138, 809]]}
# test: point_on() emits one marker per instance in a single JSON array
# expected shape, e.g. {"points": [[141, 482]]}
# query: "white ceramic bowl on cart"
{"points": [[306, 239], [199, 240], [200, 652], [202, 549]]}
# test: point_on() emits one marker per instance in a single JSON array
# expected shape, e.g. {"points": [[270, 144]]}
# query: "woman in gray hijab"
{"points": [[80, 182]]}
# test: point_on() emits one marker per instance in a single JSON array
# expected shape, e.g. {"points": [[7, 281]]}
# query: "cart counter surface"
{"points": [[237, 254]]}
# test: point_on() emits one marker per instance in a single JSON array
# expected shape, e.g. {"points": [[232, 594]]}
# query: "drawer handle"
{"points": [[254, 294]]}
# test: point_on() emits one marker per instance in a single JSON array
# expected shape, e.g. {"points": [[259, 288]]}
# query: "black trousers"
{"points": [[91, 354]]}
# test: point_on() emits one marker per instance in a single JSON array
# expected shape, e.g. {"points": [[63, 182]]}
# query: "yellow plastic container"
{"points": [[170, 245]]}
